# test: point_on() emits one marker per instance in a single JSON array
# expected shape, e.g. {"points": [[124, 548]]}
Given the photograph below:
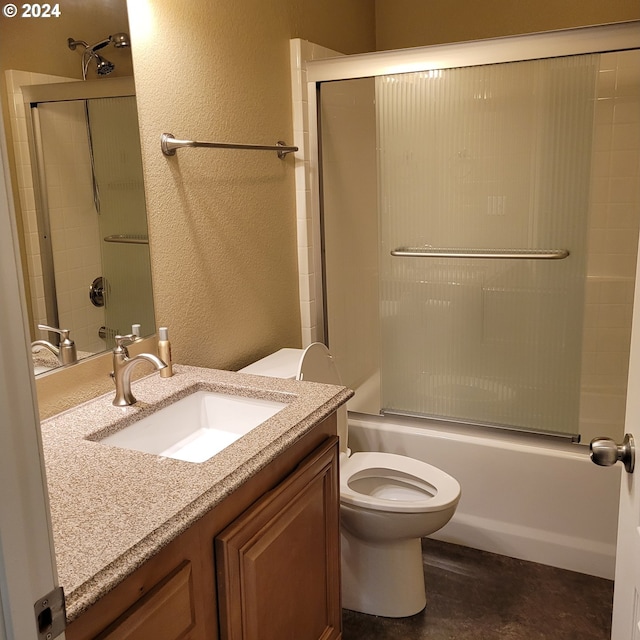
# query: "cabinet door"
{"points": [[161, 600], [279, 563]]}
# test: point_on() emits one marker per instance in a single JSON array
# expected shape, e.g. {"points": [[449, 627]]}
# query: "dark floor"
{"points": [[476, 595]]}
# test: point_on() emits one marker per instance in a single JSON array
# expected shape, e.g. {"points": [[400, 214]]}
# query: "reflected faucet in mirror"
{"points": [[66, 349]]}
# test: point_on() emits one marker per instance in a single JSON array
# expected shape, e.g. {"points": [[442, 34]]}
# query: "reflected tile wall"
{"points": [[78, 244]]}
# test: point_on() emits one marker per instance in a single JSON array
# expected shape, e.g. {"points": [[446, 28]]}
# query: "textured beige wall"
{"points": [[222, 223], [413, 23]]}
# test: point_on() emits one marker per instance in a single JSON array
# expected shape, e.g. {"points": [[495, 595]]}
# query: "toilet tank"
{"points": [[281, 364], [313, 364]]}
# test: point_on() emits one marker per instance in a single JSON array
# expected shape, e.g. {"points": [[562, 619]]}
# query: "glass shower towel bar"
{"points": [[513, 254], [169, 144], [127, 238]]}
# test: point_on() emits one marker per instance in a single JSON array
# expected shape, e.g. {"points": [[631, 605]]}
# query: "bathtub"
{"points": [[523, 496]]}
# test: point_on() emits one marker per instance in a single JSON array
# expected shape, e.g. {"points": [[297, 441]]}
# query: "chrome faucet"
{"points": [[123, 365], [65, 352]]}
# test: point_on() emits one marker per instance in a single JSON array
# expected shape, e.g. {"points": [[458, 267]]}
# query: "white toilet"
{"points": [[388, 503]]}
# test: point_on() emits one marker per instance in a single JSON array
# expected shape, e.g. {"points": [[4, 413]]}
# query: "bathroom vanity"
{"points": [[242, 545]]}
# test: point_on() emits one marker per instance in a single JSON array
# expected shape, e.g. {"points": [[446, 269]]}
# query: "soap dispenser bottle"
{"points": [[164, 352]]}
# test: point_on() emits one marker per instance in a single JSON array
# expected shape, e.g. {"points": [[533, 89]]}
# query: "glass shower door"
{"points": [[447, 165], [491, 159]]}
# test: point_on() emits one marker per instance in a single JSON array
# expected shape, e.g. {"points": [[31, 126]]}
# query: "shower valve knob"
{"points": [[605, 452]]}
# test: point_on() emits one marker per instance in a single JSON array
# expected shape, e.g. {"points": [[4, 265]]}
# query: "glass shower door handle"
{"points": [[451, 252], [605, 452]]}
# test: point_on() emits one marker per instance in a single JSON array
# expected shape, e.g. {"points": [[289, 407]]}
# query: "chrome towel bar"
{"points": [[513, 254], [169, 143]]}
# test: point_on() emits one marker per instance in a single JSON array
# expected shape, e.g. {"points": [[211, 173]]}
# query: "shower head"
{"points": [[103, 67], [120, 40]]}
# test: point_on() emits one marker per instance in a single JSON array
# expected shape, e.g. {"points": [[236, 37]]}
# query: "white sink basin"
{"points": [[197, 427]]}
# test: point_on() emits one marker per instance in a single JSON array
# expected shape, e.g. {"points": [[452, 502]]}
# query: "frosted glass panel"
{"points": [[494, 157], [118, 167], [349, 173]]}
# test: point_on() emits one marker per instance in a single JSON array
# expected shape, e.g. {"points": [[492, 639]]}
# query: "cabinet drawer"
{"points": [[166, 612]]}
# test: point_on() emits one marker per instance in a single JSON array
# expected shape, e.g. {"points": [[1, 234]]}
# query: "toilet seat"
{"points": [[394, 483]]}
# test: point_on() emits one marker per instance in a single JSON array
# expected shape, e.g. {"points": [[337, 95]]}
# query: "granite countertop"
{"points": [[112, 509]]}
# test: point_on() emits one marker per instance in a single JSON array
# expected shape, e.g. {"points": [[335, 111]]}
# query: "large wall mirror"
{"points": [[71, 126]]}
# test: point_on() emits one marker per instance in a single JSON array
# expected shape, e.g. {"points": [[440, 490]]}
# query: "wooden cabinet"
{"points": [[167, 611], [160, 600], [276, 564], [264, 563]]}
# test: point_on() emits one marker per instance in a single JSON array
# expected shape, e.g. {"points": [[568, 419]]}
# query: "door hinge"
{"points": [[51, 614]]}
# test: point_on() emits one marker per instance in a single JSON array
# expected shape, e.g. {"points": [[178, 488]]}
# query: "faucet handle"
{"points": [[63, 333], [123, 341]]}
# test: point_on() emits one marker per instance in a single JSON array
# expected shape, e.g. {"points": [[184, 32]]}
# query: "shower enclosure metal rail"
{"points": [[537, 46]]}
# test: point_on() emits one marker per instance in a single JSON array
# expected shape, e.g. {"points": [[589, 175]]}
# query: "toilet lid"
{"points": [[317, 365], [394, 483]]}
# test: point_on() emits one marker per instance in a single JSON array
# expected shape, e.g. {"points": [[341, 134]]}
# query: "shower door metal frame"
{"points": [[583, 40], [551, 44]]}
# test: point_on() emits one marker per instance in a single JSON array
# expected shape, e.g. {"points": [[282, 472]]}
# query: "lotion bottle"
{"points": [[164, 352]]}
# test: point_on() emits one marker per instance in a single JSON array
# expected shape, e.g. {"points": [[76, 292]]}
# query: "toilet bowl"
{"points": [[388, 502]]}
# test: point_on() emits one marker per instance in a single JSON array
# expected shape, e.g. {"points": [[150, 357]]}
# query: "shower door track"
{"points": [[556, 435]]}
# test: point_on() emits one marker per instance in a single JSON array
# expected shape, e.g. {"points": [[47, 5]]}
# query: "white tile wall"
{"points": [[308, 267], [613, 245]]}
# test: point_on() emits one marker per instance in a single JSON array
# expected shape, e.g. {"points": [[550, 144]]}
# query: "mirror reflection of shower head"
{"points": [[103, 66], [120, 40]]}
